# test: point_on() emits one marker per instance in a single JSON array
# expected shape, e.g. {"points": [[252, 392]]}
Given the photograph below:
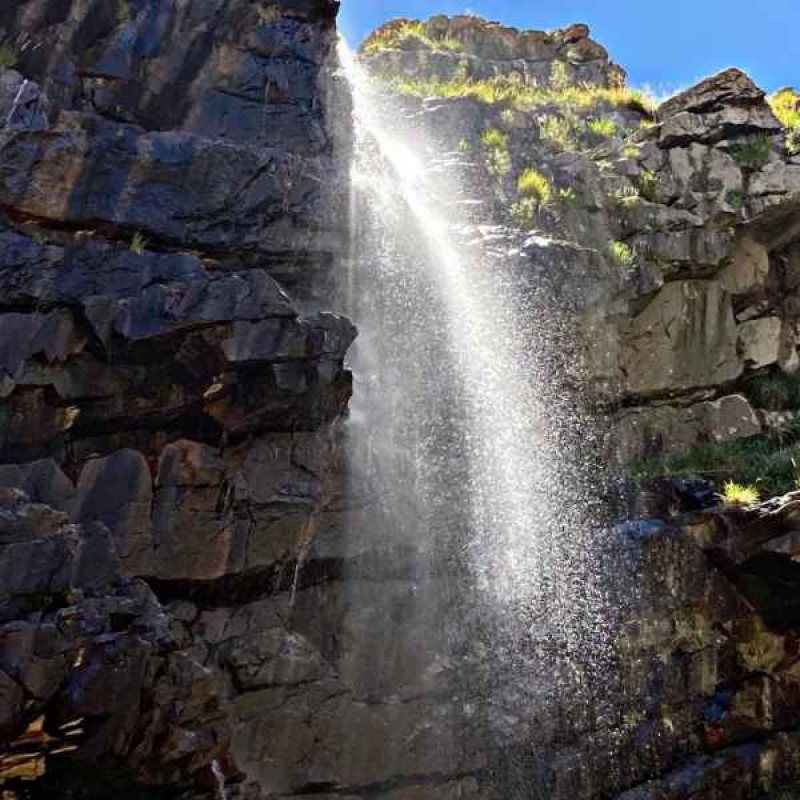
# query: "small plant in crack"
{"points": [[138, 244]]}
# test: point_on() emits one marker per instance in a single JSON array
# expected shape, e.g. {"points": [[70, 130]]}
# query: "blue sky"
{"points": [[665, 46]]}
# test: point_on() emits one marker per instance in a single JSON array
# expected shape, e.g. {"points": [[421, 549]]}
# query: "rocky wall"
{"points": [[173, 199]]}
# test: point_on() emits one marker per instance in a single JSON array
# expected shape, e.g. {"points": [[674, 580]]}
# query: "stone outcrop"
{"points": [[91, 663], [469, 47]]}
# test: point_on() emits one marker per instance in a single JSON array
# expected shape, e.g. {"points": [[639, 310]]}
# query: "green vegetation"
{"points": [[492, 137], [534, 185], [568, 197], [786, 107], [774, 392], [138, 244], [535, 192], [497, 157], [793, 141], [736, 198], [407, 35], [601, 129], [465, 145], [631, 151], [511, 91], [9, 54], [754, 154], [498, 162], [769, 462], [740, 494], [622, 254], [560, 131], [524, 211], [649, 185], [123, 12]]}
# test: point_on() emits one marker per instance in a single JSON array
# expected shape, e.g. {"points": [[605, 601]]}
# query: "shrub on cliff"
{"points": [[740, 494], [753, 155], [9, 54], [534, 185], [497, 157], [786, 107], [622, 254], [774, 392], [600, 129]]}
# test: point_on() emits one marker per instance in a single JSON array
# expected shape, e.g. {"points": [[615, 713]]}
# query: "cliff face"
{"points": [[663, 241], [169, 413], [178, 585], [682, 219]]}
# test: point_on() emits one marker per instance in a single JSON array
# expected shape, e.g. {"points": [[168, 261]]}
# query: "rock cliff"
{"points": [[180, 605], [170, 171], [662, 238]]}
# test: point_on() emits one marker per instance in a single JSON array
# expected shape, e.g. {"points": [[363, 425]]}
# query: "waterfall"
{"points": [[219, 777], [16, 102], [459, 428]]}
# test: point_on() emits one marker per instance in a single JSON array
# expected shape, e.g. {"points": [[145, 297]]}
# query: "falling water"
{"points": [[17, 100], [219, 776], [460, 421]]}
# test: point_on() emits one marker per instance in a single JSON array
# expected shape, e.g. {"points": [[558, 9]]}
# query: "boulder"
{"points": [[749, 269], [685, 338], [760, 341], [118, 491], [646, 433], [729, 87], [88, 665]]}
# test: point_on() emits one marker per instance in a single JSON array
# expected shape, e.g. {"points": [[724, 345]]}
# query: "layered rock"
{"points": [[92, 668], [168, 433], [468, 47]]}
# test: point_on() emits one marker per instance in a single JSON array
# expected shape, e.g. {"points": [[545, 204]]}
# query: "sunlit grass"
{"points": [[769, 462], [603, 128], [138, 244], [534, 185], [622, 254], [492, 137], [740, 494], [562, 131], [512, 92], [405, 33]]}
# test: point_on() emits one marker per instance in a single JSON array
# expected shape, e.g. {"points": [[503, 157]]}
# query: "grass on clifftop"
{"points": [[510, 91], [769, 463], [407, 35]]}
